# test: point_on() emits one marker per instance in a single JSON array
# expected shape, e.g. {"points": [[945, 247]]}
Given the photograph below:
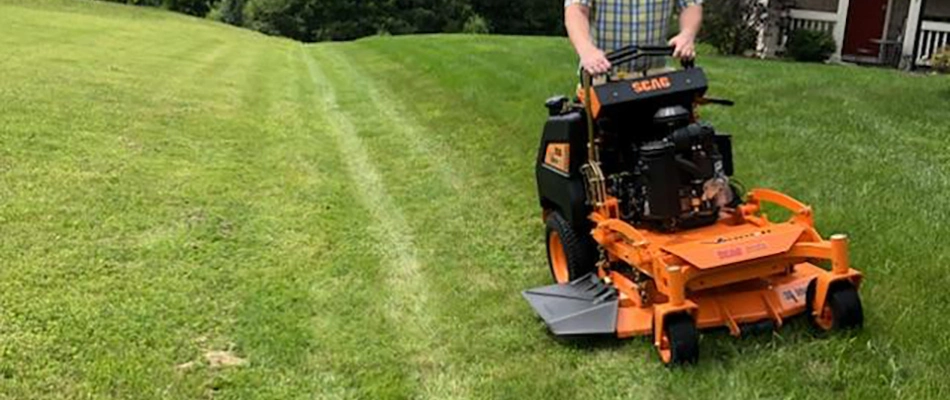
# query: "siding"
{"points": [[821, 5], [938, 9], [899, 11]]}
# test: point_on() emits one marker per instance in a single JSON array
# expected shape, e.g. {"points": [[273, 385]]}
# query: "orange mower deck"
{"points": [[742, 270]]}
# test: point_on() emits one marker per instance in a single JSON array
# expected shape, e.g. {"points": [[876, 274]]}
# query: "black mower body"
{"points": [[562, 189], [652, 150]]}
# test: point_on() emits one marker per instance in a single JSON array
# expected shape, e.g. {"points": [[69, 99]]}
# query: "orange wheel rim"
{"points": [[558, 258], [825, 320]]}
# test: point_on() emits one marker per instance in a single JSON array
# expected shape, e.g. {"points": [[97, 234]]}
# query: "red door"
{"points": [[865, 26]]}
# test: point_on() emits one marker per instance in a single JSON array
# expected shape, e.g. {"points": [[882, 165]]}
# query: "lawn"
{"points": [[191, 210]]}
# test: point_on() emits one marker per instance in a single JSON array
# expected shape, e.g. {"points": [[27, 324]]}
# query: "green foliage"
{"points": [[319, 20], [281, 17], [706, 50], [523, 17], [228, 11], [810, 45], [191, 7], [940, 61], [732, 26], [146, 3], [476, 24], [313, 20]]}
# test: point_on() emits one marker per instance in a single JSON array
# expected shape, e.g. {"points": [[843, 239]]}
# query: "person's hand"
{"points": [[684, 45], [594, 61]]}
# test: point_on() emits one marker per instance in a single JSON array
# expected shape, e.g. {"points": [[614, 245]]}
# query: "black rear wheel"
{"points": [[570, 255]]}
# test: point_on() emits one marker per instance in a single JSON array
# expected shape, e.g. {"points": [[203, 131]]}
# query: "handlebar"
{"points": [[635, 52]]}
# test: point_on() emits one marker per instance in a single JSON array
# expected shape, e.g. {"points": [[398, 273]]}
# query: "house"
{"points": [[900, 33]]}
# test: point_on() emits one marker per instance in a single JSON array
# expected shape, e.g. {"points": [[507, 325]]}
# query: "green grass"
{"points": [[357, 220]]}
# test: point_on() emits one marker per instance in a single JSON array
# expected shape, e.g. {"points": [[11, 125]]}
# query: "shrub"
{"points": [[476, 24], [810, 46], [940, 61]]}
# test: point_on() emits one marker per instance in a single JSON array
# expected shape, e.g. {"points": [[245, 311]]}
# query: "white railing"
{"points": [[810, 20], [933, 37]]}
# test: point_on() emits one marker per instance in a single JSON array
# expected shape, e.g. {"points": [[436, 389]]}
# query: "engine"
{"points": [[667, 170], [671, 177]]}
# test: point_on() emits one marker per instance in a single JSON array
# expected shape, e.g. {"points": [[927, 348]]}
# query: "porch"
{"points": [[899, 33]]}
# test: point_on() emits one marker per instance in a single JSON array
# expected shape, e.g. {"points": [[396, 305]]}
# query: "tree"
{"points": [[290, 18], [318, 20], [229, 12], [191, 7], [525, 17]]}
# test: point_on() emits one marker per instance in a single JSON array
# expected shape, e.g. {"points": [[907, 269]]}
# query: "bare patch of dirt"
{"points": [[223, 359]]}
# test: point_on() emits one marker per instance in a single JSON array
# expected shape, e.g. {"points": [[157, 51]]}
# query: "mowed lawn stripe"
{"points": [[410, 302], [299, 303], [505, 79], [133, 236], [392, 116], [494, 216], [355, 353], [170, 214], [469, 239]]}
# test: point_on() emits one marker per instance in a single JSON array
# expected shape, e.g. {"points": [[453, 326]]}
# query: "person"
{"points": [[599, 26]]}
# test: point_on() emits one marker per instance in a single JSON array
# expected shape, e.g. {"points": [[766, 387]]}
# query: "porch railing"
{"points": [[807, 19], [933, 36]]}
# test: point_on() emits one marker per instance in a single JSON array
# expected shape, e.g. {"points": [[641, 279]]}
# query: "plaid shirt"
{"points": [[618, 23]]}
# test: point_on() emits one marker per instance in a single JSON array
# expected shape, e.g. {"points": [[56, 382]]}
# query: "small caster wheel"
{"points": [[842, 309], [680, 342]]}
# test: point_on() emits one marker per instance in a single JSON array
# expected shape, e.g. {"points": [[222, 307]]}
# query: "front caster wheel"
{"points": [[680, 342], [842, 309]]}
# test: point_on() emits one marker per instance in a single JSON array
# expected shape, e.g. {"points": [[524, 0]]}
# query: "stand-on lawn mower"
{"points": [[647, 235]]}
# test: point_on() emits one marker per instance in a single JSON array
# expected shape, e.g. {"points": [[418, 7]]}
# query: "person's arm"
{"points": [[691, 20], [577, 22]]}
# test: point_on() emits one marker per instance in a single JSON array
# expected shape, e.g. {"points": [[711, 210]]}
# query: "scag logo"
{"points": [[650, 85], [729, 253], [754, 248]]}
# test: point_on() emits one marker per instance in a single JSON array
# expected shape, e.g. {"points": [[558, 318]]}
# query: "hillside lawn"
{"points": [[357, 220]]}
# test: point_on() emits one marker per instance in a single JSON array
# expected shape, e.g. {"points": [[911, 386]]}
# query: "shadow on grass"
{"points": [[590, 342], [718, 347]]}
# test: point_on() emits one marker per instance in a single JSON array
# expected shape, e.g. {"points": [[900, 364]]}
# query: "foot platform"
{"points": [[585, 306]]}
